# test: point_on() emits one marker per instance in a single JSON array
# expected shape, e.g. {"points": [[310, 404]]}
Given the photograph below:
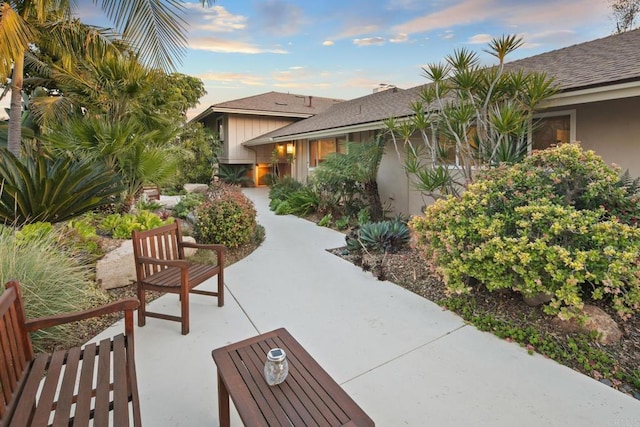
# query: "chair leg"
{"points": [[184, 309], [142, 308], [220, 289]]}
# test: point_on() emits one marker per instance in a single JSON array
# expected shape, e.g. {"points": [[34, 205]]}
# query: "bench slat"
{"points": [[120, 382], [83, 404], [67, 388], [103, 378], [24, 408], [48, 395]]}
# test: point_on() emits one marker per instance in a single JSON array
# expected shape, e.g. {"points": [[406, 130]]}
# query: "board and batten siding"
{"points": [[241, 128]]}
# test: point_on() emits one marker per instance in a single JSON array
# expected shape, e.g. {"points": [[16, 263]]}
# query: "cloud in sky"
{"points": [[357, 30], [369, 41], [400, 38], [239, 78], [219, 45], [327, 43], [480, 39], [516, 14], [213, 19]]}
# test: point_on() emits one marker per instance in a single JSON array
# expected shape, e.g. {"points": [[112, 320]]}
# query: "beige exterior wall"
{"points": [[240, 128], [612, 130]]}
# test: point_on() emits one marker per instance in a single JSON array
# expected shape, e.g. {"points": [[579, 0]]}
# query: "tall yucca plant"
{"points": [[39, 188]]}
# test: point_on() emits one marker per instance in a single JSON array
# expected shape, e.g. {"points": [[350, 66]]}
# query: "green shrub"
{"points": [[120, 226], [34, 231], [539, 227], [226, 217], [52, 281], [282, 187], [342, 223], [283, 208], [326, 220], [304, 201], [382, 236], [39, 188], [187, 204]]}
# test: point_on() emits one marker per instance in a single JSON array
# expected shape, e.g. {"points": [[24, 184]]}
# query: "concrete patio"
{"points": [[403, 359]]}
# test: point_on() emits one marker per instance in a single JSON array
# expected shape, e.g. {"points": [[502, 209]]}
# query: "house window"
{"points": [[552, 129], [319, 149], [220, 129]]}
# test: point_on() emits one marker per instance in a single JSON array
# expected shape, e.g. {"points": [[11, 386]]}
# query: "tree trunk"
{"points": [[14, 136], [375, 204]]}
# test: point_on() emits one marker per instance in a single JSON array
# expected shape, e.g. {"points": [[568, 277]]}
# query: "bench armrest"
{"points": [[127, 304], [180, 263]]}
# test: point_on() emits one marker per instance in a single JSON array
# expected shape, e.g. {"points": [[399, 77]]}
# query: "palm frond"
{"points": [[155, 28]]}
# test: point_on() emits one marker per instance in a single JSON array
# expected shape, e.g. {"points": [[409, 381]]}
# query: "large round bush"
{"points": [[542, 226], [226, 217]]}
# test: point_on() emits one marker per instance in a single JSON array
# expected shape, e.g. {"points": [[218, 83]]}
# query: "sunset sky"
{"points": [[344, 49]]}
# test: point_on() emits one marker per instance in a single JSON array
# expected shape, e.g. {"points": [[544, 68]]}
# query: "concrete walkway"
{"points": [[403, 359]]}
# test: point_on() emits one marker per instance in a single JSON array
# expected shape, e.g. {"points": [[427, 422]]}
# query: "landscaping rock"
{"points": [[537, 300], [117, 268], [597, 320], [196, 188], [169, 202]]}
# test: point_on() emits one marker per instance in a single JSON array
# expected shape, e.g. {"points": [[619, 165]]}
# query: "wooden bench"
{"points": [[161, 267], [67, 387]]}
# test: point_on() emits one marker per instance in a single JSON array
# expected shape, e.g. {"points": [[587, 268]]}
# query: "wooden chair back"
{"points": [[159, 243], [16, 351]]}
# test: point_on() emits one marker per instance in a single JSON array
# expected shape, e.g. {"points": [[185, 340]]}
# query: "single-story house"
{"points": [[598, 104], [241, 120]]}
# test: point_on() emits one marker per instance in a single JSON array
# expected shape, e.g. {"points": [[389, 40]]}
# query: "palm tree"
{"points": [[155, 29]]}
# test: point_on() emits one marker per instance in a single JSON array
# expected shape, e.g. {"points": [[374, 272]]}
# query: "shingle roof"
{"points": [[605, 61], [278, 102], [610, 60], [370, 108]]}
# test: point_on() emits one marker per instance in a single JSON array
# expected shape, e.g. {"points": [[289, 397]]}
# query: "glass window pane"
{"points": [[550, 131]]}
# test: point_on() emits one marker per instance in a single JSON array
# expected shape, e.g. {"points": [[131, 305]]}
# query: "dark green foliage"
{"points": [[198, 148], [352, 176], [235, 174], [303, 201], [39, 188], [187, 204], [282, 208], [384, 236], [226, 217], [282, 187]]}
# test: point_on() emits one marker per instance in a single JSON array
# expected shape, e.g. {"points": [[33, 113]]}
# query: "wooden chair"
{"points": [[66, 387], [161, 267]]}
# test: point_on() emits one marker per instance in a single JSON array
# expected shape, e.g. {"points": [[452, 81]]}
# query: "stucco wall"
{"points": [[612, 129]]}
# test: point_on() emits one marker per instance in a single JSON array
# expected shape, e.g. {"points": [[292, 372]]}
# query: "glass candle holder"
{"points": [[276, 367]]}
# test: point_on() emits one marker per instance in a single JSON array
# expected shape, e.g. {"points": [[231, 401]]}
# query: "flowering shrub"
{"points": [[539, 227], [226, 217]]}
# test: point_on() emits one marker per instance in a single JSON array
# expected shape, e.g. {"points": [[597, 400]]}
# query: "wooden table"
{"points": [[308, 397]]}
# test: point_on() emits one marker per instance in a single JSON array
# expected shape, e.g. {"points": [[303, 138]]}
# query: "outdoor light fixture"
{"points": [[290, 148]]}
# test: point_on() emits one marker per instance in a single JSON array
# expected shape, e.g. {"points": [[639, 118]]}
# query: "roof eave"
{"points": [[593, 94], [324, 133]]}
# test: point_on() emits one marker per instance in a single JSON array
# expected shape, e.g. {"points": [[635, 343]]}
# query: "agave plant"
{"points": [[40, 188]]}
